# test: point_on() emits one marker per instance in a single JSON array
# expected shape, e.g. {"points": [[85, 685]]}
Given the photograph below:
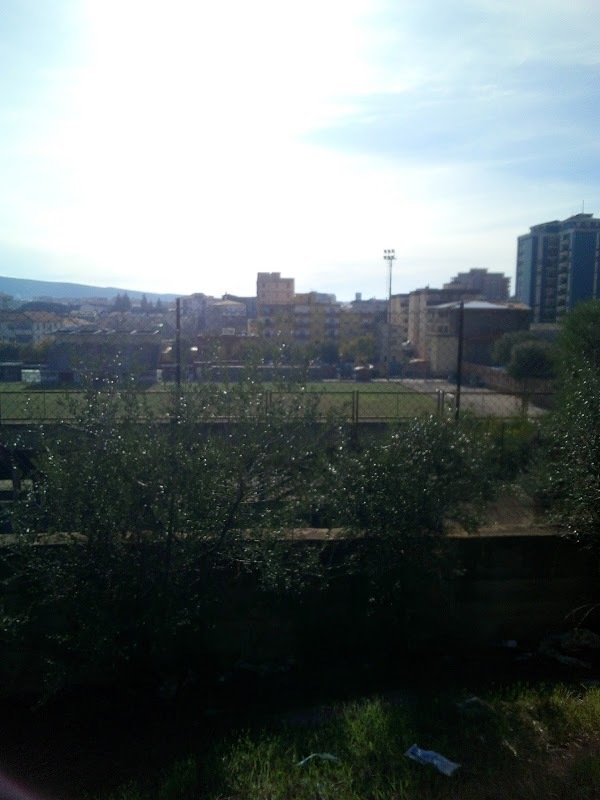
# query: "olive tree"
{"points": [[569, 469], [146, 509]]}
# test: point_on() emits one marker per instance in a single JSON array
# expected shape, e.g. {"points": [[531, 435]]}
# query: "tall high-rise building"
{"points": [[558, 265]]}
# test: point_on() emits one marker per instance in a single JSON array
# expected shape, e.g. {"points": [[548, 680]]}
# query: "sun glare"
{"points": [[186, 138]]}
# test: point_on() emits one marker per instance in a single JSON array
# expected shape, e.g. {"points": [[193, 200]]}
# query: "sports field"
{"points": [[369, 402]]}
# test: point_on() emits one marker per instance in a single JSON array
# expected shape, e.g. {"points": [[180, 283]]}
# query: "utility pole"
{"points": [[459, 358], [390, 257], [178, 345]]}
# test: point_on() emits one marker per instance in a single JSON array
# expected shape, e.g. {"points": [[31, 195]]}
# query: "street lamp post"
{"points": [[390, 257]]}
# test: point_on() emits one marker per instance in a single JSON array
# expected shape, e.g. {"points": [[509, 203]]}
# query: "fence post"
{"points": [[355, 407]]}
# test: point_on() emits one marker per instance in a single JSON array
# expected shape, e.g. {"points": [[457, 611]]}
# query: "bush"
{"points": [[568, 471], [397, 495], [143, 517], [409, 483], [532, 360]]}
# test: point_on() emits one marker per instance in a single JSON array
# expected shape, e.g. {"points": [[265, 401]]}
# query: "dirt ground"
{"points": [[482, 402]]}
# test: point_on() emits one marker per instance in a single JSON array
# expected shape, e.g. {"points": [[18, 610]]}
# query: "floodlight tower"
{"points": [[390, 257]]}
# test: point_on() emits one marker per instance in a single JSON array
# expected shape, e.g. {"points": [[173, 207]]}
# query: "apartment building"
{"points": [[558, 266], [29, 327], [316, 318], [491, 286], [419, 302], [483, 324], [273, 290]]}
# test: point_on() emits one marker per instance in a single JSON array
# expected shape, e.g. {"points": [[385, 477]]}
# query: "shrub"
{"points": [[569, 470], [143, 516]]}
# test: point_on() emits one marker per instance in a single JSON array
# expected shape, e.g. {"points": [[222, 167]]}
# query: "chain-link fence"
{"points": [[441, 358], [377, 402]]}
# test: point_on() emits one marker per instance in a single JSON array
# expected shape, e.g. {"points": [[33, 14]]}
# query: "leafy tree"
{"points": [[35, 353], [9, 351], [360, 349], [532, 360], [579, 341], [397, 495], [410, 482], [503, 347], [328, 353], [569, 467], [162, 520]]}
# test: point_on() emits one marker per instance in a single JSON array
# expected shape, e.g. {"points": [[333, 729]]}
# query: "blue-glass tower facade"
{"points": [[558, 265]]}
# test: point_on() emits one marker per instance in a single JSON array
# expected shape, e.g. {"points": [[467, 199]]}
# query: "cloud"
{"points": [[188, 145]]}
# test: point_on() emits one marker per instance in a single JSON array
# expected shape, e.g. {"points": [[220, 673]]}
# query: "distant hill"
{"points": [[25, 289]]}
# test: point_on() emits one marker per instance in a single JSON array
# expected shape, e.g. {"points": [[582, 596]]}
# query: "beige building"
{"points": [[227, 315], [316, 318], [29, 327], [273, 290], [398, 332], [275, 306], [418, 322], [358, 320]]}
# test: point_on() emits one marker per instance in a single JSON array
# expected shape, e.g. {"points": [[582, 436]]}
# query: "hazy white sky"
{"points": [[185, 145]]}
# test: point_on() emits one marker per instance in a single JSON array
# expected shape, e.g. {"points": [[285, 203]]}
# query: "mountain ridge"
{"points": [[30, 289]]}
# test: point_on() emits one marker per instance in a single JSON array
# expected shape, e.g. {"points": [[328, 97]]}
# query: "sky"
{"points": [[184, 145]]}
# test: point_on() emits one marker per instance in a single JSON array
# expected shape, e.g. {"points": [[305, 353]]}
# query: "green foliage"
{"points": [[32, 353], [496, 748], [361, 349], [513, 443], [397, 495], [327, 352], [9, 351], [408, 483], [579, 340], [503, 347], [369, 738], [525, 356], [161, 516], [568, 472], [146, 513], [532, 360], [122, 302]]}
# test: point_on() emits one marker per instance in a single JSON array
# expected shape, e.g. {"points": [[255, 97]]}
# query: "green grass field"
{"points": [[520, 743], [372, 402]]}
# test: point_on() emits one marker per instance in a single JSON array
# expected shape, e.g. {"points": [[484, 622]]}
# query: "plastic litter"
{"points": [[441, 763], [323, 756]]}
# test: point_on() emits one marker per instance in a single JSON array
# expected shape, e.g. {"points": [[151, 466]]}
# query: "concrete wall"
{"points": [[486, 589], [521, 587]]}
